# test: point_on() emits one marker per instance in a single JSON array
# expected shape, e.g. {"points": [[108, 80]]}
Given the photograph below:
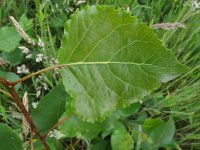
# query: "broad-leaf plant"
{"points": [[109, 62]]}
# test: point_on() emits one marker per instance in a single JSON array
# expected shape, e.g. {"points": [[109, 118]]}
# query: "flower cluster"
{"points": [[195, 4], [23, 69], [79, 2], [40, 43], [35, 104], [56, 134], [26, 51], [53, 62], [42, 85], [39, 58]]}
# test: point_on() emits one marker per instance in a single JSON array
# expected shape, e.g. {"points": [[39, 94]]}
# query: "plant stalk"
{"points": [[36, 73], [6, 93], [18, 101]]}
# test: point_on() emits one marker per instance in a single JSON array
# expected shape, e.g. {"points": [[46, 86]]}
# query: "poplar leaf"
{"points": [[113, 61]]}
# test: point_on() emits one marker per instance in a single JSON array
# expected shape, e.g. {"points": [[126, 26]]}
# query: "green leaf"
{"points": [[26, 23], [121, 139], [9, 39], [113, 61], [10, 76], [9, 139], [163, 134], [50, 108], [52, 142], [100, 144], [130, 110], [75, 127], [14, 58], [150, 124]]}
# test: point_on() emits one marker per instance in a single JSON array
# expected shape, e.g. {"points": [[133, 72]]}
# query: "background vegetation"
{"points": [[44, 20]]}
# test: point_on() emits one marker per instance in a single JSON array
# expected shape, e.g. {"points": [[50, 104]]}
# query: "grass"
{"points": [[178, 98]]}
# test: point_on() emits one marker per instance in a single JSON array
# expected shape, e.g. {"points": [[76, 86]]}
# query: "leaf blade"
{"points": [[101, 45], [163, 134], [121, 139], [9, 139], [9, 39], [50, 109]]}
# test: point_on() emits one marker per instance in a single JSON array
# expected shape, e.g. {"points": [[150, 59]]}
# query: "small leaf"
{"points": [[9, 139], [100, 144], [10, 76], [113, 61], [9, 39], [52, 142], [163, 134], [130, 110], [150, 124], [75, 127], [14, 58], [26, 23], [121, 139], [50, 108]]}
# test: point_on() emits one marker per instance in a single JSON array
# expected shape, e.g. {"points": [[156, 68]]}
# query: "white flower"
{"points": [[39, 58], [22, 69], [80, 2], [45, 86], [28, 56], [35, 104], [38, 91], [53, 62], [195, 4], [57, 134], [40, 43], [141, 102], [128, 9], [16, 115], [24, 49]]}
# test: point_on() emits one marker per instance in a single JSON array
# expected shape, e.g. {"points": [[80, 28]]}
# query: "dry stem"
{"points": [[18, 101]]}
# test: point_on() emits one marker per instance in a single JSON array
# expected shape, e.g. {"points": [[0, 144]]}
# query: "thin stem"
{"points": [[57, 124], [4, 82], [31, 140], [18, 101], [6, 93], [36, 73], [64, 65]]}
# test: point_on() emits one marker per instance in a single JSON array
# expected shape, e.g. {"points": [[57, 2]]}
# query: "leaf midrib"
{"points": [[113, 62]]}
